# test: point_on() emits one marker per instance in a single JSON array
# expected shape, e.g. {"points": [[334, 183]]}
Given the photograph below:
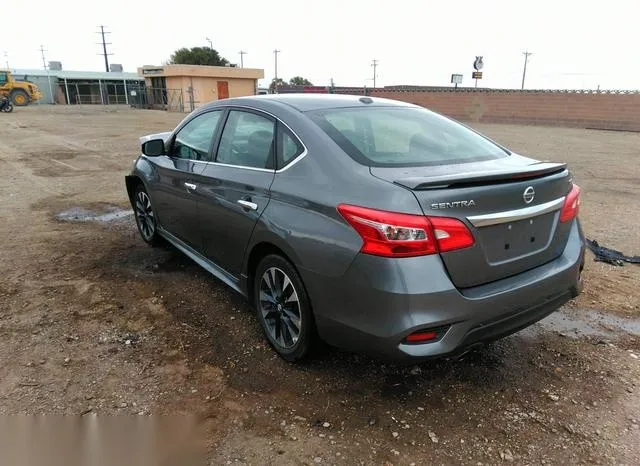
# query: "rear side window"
{"points": [[247, 140], [289, 147], [403, 136]]}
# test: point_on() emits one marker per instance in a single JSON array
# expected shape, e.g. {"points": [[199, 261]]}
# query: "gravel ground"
{"points": [[92, 321]]}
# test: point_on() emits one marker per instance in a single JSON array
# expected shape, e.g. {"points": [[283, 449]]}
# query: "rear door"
{"points": [[174, 191], [235, 186]]}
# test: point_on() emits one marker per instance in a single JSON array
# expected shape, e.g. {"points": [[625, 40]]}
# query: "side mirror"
{"points": [[153, 148]]}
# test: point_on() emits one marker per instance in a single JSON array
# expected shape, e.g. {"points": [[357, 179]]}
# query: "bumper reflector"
{"points": [[422, 336]]}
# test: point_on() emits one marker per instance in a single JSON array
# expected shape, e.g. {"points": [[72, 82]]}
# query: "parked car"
{"points": [[374, 225]]}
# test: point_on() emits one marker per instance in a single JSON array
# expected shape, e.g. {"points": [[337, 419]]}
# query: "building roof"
{"points": [[201, 71], [89, 75]]}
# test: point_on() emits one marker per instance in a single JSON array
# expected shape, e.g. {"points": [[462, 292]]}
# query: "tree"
{"points": [[276, 82], [300, 81], [197, 56]]}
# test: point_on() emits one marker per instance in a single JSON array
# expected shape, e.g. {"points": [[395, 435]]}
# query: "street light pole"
{"points": [[210, 43], [524, 71], [242, 54]]}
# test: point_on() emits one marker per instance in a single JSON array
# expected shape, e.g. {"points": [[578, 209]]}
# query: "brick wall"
{"points": [[595, 110]]}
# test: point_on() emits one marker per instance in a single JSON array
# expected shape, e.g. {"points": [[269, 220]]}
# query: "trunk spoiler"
{"points": [[535, 170]]}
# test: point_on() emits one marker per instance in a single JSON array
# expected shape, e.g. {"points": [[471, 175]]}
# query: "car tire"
{"points": [[283, 308], [145, 216]]}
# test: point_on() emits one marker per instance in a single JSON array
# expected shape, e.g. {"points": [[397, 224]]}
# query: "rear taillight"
{"points": [[391, 234], [571, 205], [451, 233]]}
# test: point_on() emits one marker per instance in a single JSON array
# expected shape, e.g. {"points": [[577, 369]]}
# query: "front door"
{"points": [[223, 89], [174, 192], [237, 186]]}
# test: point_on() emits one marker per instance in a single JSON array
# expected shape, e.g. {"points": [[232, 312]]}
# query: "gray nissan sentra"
{"points": [[374, 225]]}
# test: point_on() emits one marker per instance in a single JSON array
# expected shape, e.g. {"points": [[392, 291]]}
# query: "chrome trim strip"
{"points": [[515, 215], [302, 155], [202, 261]]}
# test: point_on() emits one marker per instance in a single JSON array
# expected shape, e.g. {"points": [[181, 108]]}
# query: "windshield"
{"points": [[404, 136]]}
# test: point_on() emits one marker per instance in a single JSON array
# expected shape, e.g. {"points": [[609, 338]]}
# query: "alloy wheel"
{"points": [[280, 307], [144, 216]]}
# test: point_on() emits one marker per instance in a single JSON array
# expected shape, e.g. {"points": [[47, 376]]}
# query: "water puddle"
{"points": [[81, 214], [577, 323]]}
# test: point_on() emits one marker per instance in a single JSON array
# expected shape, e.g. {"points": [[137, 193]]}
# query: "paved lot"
{"points": [[94, 321]]}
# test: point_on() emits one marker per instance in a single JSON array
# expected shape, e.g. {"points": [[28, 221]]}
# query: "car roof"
{"points": [[310, 102]]}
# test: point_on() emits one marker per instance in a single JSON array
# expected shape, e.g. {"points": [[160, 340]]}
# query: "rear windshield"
{"points": [[403, 136]]}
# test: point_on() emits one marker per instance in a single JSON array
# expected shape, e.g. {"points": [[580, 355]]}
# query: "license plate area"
{"points": [[514, 240]]}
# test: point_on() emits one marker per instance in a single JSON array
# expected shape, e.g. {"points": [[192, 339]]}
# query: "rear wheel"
{"points": [[145, 216], [8, 108], [19, 98], [283, 308]]}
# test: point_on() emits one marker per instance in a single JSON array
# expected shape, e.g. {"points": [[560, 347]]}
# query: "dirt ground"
{"points": [[94, 321]]}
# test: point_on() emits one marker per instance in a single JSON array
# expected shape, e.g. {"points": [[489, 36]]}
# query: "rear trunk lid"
{"points": [[511, 205]]}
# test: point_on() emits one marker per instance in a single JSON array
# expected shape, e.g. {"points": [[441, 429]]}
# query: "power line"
{"points": [[104, 48], [242, 54], [524, 71], [375, 65]]}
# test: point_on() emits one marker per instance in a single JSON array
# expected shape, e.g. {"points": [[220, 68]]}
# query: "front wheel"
{"points": [[8, 108], [283, 308], [145, 216]]}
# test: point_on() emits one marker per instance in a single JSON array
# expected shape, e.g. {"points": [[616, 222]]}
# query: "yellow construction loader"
{"points": [[20, 93]]}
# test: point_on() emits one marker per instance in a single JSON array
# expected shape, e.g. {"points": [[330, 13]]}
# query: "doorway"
{"points": [[223, 89]]}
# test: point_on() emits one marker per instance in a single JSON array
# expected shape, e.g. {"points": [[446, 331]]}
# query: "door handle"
{"points": [[190, 186], [248, 204]]}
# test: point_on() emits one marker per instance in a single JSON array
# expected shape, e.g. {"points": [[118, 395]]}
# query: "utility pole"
{"points": [[46, 68], [524, 71], [375, 65], [275, 53], [104, 48], [242, 54], [275, 79]]}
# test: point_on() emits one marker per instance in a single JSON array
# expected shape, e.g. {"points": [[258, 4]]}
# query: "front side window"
{"points": [[404, 136], [194, 140], [247, 141], [3, 77]]}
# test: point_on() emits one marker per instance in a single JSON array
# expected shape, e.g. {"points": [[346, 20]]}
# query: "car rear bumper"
{"points": [[379, 301]]}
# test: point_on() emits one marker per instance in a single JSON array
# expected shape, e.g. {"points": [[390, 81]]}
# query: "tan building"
{"points": [[185, 87]]}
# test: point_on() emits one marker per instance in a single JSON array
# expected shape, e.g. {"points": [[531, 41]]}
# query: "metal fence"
{"points": [[93, 99], [158, 98], [84, 99]]}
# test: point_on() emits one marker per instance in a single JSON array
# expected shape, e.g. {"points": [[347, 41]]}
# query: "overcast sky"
{"points": [[575, 44]]}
